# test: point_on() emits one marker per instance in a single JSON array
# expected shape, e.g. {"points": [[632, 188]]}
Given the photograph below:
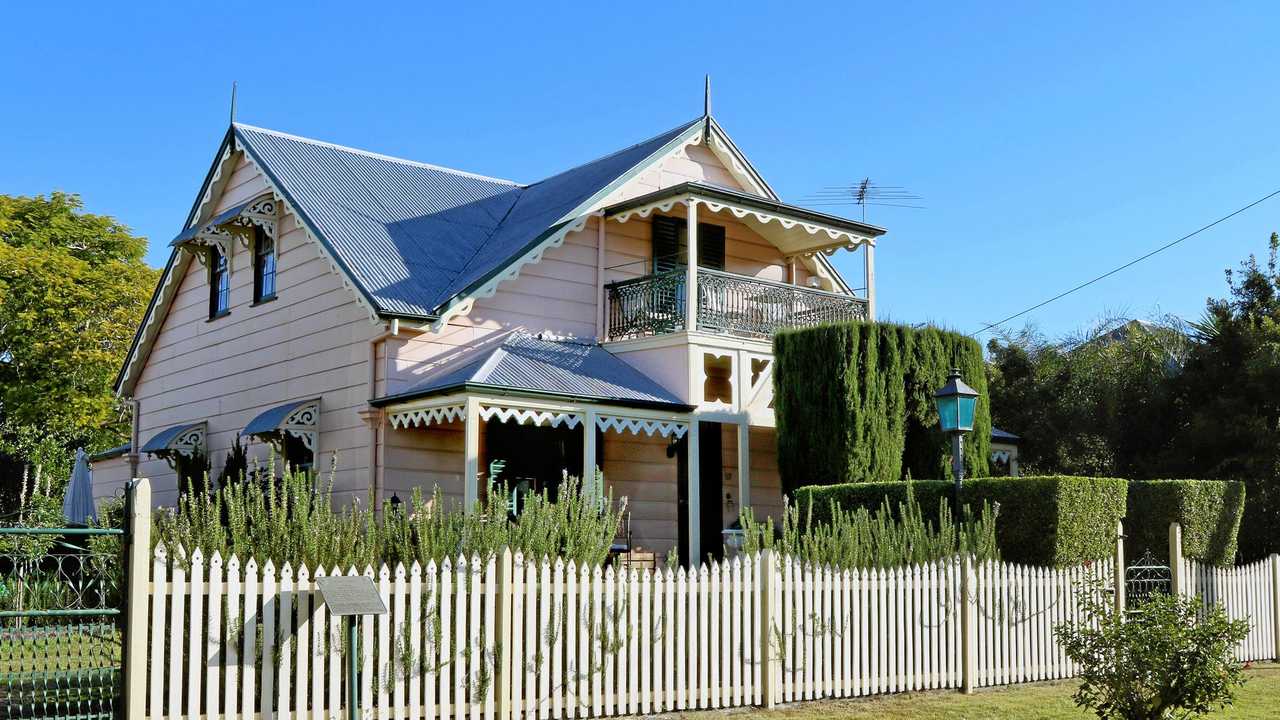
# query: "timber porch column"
{"points": [[589, 453], [694, 506], [471, 466]]}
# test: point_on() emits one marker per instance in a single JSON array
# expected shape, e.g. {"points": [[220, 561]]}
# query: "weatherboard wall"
{"points": [[311, 341]]}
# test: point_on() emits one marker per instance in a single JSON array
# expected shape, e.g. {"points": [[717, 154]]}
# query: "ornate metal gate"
{"points": [[62, 593], [1146, 577]]}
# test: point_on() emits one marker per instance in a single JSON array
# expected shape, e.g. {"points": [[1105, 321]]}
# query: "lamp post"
{"points": [[956, 405]]}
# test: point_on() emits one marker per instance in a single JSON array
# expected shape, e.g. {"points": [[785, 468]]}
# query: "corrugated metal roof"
{"points": [[109, 453], [523, 362], [412, 236]]}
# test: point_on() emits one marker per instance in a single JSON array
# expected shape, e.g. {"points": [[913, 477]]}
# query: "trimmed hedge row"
{"points": [[854, 403], [1208, 510], [1052, 520], [1063, 520]]}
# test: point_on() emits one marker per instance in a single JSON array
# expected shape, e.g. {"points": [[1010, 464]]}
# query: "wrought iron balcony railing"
{"points": [[728, 304]]}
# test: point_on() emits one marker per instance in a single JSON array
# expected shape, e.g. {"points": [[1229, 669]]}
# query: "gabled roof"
{"points": [[417, 241], [530, 365], [414, 236]]}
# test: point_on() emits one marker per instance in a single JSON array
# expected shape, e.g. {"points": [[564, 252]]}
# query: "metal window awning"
{"points": [[237, 221], [794, 230], [221, 218], [186, 440], [300, 418]]}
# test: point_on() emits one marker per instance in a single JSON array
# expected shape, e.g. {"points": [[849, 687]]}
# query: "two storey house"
{"points": [[418, 327]]}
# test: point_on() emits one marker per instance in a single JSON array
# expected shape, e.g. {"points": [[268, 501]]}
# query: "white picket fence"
{"points": [[237, 640], [1245, 592], [507, 637]]}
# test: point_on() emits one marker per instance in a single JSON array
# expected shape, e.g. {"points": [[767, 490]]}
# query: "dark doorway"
{"points": [[528, 458], [710, 477], [710, 474], [680, 450]]}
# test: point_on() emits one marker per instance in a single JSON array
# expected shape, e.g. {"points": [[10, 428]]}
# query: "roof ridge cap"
{"points": [[679, 128], [380, 156]]}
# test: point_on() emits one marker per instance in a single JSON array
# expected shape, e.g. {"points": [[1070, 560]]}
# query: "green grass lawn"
{"points": [[1259, 698]]}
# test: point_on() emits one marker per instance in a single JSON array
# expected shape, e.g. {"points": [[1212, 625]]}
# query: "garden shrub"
{"points": [[292, 520], [1208, 510], [892, 535], [1168, 657], [854, 403], [1052, 520]]}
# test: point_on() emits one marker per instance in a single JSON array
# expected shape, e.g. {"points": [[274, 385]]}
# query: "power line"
{"points": [[1129, 264]]}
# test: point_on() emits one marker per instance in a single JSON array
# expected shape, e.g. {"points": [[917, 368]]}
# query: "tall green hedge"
{"points": [[854, 403], [1053, 520], [1208, 510]]}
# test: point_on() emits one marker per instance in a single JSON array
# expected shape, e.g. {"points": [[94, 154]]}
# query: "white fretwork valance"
{"points": [[426, 416], [635, 426], [524, 416]]}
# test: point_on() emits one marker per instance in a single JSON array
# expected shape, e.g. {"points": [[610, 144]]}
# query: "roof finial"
{"points": [[233, 102], [706, 98]]}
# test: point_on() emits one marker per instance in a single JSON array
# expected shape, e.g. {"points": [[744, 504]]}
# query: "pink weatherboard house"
{"points": [[424, 327]]}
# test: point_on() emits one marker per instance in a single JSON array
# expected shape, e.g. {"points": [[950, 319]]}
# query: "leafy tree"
{"points": [[1092, 404], [1226, 400], [1167, 658], [73, 286], [1159, 400]]}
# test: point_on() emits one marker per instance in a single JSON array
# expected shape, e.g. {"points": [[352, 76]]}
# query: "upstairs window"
{"points": [[671, 244], [219, 284], [264, 267]]}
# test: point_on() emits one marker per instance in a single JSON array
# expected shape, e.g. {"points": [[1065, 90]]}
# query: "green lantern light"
{"points": [[957, 403]]}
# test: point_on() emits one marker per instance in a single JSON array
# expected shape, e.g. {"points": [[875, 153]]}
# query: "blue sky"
{"points": [[1050, 141]]}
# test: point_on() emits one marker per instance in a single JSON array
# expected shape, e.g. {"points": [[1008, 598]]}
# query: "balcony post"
{"points": [[869, 268], [691, 273]]}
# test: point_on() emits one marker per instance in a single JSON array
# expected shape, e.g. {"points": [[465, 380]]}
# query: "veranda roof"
{"points": [[794, 230], [530, 365]]}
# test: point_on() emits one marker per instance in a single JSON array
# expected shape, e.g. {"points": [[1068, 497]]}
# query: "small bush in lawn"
{"points": [[858, 538], [1165, 658]]}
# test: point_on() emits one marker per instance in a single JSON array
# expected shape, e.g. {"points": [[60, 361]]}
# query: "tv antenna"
{"points": [[863, 193]]}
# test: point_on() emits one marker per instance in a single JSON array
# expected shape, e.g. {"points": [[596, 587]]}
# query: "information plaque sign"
{"points": [[351, 595]]}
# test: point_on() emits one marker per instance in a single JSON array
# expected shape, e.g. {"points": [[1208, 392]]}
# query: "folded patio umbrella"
{"points": [[77, 501]]}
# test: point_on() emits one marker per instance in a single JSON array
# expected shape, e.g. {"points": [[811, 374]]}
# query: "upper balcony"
{"points": [[697, 281], [727, 304]]}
